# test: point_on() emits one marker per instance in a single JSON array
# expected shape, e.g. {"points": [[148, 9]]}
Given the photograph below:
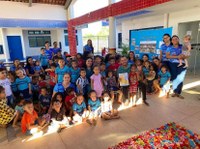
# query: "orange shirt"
{"points": [[28, 119]]}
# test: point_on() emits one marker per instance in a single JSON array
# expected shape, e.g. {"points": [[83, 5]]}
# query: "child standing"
{"points": [[23, 84], [5, 82], [74, 71], [113, 86], [30, 123], [44, 100], [185, 50], [164, 77], [52, 79], [79, 108], [12, 78], [94, 105], [96, 81], [150, 78], [61, 70], [43, 59], [82, 83], [107, 111], [133, 81]]}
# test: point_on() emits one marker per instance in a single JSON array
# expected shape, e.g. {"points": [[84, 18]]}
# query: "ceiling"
{"points": [[51, 2]]}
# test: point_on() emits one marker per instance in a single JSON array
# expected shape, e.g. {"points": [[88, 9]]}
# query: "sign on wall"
{"points": [[147, 41]]}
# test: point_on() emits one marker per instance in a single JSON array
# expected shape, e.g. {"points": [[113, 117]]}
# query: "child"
{"points": [[5, 82], [61, 70], [30, 123], [44, 100], [12, 78], [7, 114], [94, 105], [89, 71], [38, 69], [35, 89], [74, 71], [103, 73], [79, 109], [69, 100], [113, 65], [97, 60], [57, 96], [23, 84], [52, 79], [42, 82], [80, 60], [96, 81], [82, 83], [16, 64], [164, 77], [145, 69], [185, 50], [107, 111], [113, 86], [133, 81], [150, 78], [43, 59], [19, 109], [59, 120]]}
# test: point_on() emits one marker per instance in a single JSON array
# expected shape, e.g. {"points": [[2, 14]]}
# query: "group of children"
{"points": [[61, 90]]}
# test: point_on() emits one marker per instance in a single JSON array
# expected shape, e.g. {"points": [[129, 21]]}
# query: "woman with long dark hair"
{"points": [[173, 53], [30, 67], [88, 49], [131, 57]]}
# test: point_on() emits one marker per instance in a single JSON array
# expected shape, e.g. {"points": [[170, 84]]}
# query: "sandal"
{"points": [[174, 95], [180, 96]]}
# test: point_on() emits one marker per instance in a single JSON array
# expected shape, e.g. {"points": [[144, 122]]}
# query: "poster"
{"points": [[147, 41], [123, 77]]}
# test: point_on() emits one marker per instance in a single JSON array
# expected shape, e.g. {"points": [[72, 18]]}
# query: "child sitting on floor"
{"points": [[107, 111], [69, 100], [59, 120], [79, 109], [38, 69], [94, 106], [30, 123]]}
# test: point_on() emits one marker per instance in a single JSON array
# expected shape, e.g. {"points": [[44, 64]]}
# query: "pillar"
{"points": [[112, 31], [166, 20]]}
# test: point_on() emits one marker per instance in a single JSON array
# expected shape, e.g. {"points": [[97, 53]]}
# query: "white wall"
{"points": [[2, 56], [37, 11]]}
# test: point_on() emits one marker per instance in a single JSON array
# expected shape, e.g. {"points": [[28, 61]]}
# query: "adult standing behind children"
{"points": [[30, 67], [48, 51], [55, 48], [174, 53], [124, 69], [88, 49], [163, 49]]}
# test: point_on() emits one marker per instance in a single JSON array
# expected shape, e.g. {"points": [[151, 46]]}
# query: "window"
{"points": [[1, 49], [38, 41], [67, 40], [119, 40]]}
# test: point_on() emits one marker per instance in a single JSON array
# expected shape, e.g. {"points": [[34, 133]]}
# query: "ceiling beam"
{"points": [[67, 4], [30, 3]]}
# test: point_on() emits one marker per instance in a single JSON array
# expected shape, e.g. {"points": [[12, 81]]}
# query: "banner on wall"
{"points": [[147, 41]]}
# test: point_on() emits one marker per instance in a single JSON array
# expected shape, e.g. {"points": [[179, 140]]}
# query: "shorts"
{"points": [[133, 89], [25, 94], [95, 113], [10, 100]]}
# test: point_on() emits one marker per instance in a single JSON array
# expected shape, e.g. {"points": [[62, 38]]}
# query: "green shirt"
{"points": [[123, 69]]}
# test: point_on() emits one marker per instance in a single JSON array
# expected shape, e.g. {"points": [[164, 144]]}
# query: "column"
{"points": [[166, 20], [112, 31]]}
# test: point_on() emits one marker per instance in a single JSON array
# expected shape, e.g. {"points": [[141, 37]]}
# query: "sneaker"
{"points": [[174, 95], [146, 103]]}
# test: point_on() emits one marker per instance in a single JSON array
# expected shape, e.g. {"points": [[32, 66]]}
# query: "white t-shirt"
{"points": [[6, 85], [106, 106]]}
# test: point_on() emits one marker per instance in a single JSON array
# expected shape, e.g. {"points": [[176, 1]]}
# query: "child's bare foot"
{"points": [[89, 122], [116, 117], [167, 95], [15, 126], [3, 125], [134, 105], [94, 122]]}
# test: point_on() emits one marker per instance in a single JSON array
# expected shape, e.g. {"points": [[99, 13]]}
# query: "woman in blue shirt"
{"points": [[88, 49], [131, 58], [173, 53], [30, 67], [62, 87], [163, 49]]}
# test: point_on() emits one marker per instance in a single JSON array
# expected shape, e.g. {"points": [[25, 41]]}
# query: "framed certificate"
{"points": [[123, 77]]}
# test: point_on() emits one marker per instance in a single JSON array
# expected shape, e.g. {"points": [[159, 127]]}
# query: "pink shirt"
{"points": [[98, 86]]}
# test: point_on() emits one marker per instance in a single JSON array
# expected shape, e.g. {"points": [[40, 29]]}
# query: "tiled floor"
{"points": [[107, 133]]}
